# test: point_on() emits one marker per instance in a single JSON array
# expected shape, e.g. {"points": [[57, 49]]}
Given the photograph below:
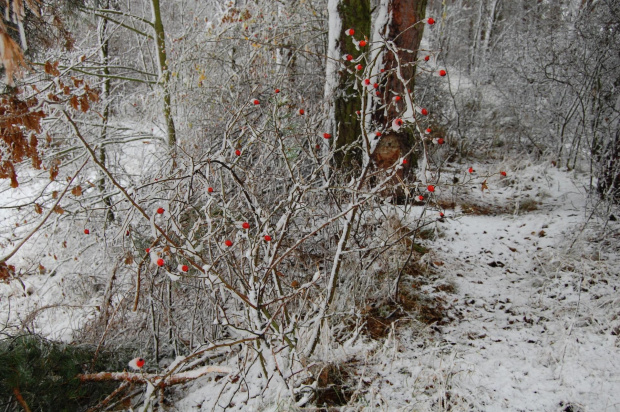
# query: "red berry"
{"points": [[160, 262], [317, 147], [442, 73], [140, 363], [277, 90], [430, 188], [359, 67], [327, 136], [228, 243], [404, 161], [362, 43], [441, 214], [148, 250], [378, 93], [440, 141], [238, 152], [377, 134], [349, 57], [425, 112], [160, 210], [502, 173], [427, 58], [184, 268], [301, 112], [382, 70], [376, 85], [245, 225], [86, 231], [396, 98], [470, 170], [420, 198], [366, 82], [267, 238], [350, 32], [358, 112], [399, 122], [428, 130], [256, 102], [430, 21], [210, 190], [127, 233]]}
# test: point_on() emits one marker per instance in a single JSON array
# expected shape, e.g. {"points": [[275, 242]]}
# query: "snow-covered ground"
{"points": [[534, 323], [531, 314]]}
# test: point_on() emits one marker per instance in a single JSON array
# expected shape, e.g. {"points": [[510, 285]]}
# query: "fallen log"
{"points": [[155, 379]]}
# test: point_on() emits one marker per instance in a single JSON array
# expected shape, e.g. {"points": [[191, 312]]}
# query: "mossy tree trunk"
{"points": [[354, 14], [164, 73]]}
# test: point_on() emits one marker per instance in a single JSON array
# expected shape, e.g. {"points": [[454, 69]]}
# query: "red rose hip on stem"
{"points": [[442, 73], [427, 58], [440, 141], [327, 136], [256, 102], [184, 268], [430, 188], [238, 152], [160, 211], [210, 190], [277, 90], [359, 67], [245, 225], [362, 43], [160, 262], [349, 57], [267, 238], [425, 112], [86, 231], [502, 173], [228, 243], [302, 112]]}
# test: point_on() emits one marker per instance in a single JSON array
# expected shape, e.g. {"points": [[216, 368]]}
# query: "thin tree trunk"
{"points": [[105, 93], [164, 73], [489, 29]]}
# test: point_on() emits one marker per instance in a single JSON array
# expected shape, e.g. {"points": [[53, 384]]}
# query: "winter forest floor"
{"points": [[524, 312], [533, 322]]}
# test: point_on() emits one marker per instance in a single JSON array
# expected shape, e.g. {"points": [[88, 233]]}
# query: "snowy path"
{"points": [[534, 326]]}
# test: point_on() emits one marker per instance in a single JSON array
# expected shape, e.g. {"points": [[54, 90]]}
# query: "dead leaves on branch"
{"points": [[20, 123], [18, 127]]}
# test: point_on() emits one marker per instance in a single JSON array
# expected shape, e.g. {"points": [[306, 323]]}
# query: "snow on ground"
{"points": [[531, 324], [534, 324]]}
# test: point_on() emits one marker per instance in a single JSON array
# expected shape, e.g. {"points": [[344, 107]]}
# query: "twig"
{"points": [[52, 209]]}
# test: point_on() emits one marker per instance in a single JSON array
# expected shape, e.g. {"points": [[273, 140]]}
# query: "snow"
{"points": [[530, 320]]}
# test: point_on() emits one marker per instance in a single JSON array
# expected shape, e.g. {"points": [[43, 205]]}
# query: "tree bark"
{"points": [[399, 62], [345, 124], [164, 73]]}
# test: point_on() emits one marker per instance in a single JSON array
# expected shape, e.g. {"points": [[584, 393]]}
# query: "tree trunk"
{"points": [[105, 92], [399, 28], [344, 123], [164, 73]]}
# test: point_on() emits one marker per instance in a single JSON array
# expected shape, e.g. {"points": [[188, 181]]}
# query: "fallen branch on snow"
{"points": [[155, 379]]}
